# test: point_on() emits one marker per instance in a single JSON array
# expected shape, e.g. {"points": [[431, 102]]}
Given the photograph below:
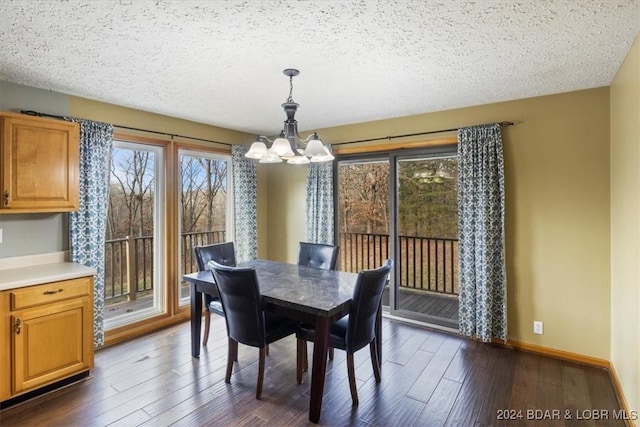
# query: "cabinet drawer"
{"points": [[51, 292]]}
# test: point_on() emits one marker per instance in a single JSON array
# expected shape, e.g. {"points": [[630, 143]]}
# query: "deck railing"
{"points": [[129, 263], [426, 263]]}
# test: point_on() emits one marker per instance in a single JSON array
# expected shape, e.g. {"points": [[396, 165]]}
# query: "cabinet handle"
{"points": [[52, 292], [6, 198], [18, 326]]}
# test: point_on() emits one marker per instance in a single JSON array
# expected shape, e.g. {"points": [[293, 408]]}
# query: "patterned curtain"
{"points": [[483, 288], [87, 226], [244, 201], [319, 208]]}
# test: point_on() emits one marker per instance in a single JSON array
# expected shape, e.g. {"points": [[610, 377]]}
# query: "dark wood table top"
{"points": [[305, 289]]}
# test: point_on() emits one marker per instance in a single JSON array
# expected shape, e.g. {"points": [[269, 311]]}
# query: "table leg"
{"points": [[319, 368], [196, 320]]}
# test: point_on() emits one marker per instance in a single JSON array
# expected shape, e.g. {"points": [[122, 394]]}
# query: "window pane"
{"points": [[133, 248], [363, 215], [204, 211], [427, 248]]}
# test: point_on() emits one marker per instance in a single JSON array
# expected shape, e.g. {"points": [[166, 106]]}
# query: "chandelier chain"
{"points": [[290, 98]]}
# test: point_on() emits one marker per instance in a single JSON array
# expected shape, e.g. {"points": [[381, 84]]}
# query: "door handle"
{"points": [[18, 326]]}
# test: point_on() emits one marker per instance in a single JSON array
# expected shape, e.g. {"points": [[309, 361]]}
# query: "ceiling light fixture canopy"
{"points": [[289, 145]]}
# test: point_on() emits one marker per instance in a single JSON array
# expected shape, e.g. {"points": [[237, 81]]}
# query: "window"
{"points": [[153, 224]]}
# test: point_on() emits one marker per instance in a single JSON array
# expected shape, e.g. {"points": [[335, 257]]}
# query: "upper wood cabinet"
{"points": [[40, 161]]}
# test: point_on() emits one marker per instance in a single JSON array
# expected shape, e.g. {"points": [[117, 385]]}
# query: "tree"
{"points": [[364, 195], [427, 197], [202, 193], [131, 191]]}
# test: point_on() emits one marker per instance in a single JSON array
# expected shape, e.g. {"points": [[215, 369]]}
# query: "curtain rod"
{"points": [[502, 124], [38, 114]]}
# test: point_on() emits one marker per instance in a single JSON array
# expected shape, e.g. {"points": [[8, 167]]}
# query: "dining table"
{"points": [[311, 295]]}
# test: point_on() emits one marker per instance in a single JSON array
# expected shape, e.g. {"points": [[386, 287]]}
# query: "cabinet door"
{"points": [[5, 347], [40, 160], [51, 342]]}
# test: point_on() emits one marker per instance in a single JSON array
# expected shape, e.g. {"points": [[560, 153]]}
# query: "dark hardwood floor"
{"points": [[429, 378]]}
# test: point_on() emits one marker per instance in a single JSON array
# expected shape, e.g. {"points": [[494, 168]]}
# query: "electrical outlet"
{"points": [[0, 235], [538, 327]]}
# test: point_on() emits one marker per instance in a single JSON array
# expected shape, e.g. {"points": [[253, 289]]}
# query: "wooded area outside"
{"points": [[427, 219]]}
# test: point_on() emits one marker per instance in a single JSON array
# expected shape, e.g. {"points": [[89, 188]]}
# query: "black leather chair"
{"points": [[318, 255], [357, 329], [247, 322], [222, 253]]}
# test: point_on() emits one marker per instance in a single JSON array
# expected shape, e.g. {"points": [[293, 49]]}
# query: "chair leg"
{"points": [[352, 379], [375, 362], [260, 372], [305, 357], [266, 350], [207, 325], [232, 355], [330, 353], [299, 359]]}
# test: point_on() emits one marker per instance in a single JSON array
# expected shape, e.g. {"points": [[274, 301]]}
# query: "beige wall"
{"points": [[109, 113], [557, 210], [625, 225]]}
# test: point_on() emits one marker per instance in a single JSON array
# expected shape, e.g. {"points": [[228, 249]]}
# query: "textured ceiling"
{"points": [[221, 62]]}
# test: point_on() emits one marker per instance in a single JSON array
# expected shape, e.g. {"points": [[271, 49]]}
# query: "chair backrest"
{"points": [[241, 302], [222, 253], [364, 306], [318, 255]]}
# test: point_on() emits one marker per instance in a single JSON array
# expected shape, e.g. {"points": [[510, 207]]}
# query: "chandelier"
{"points": [[289, 145]]}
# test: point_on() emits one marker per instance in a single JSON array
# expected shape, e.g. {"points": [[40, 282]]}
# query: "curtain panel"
{"points": [[87, 226], [319, 203], [244, 204], [482, 299]]}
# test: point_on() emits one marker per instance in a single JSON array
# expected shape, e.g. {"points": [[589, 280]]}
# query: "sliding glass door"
{"points": [[425, 229], [403, 206]]}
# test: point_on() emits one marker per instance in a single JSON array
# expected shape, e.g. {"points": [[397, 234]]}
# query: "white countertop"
{"points": [[42, 273]]}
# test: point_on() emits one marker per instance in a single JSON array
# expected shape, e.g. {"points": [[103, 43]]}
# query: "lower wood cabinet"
{"points": [[48, 332]]}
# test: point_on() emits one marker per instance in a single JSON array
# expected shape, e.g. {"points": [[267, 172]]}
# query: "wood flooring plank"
{"points": [[433, 342], [476, 385], [436, 411], [405, 412], [525, 388], [398, 380], [462, 361], [602, 395], [551, 371], [133, 419], [428, 380], [550, 400], [498, 393], [576, 401]]}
